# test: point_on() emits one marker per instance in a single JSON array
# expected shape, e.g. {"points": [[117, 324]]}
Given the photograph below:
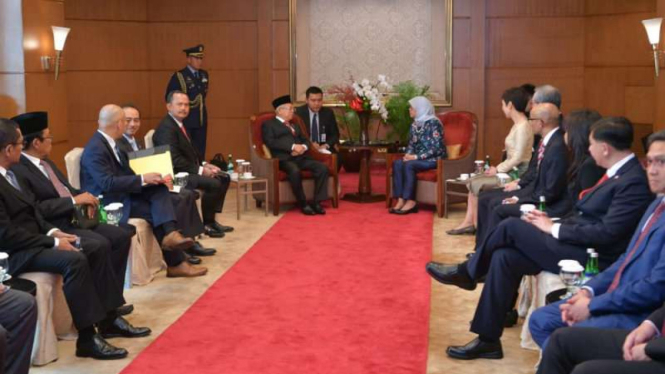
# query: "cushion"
{"points": [[429, 175], [453, 151]]}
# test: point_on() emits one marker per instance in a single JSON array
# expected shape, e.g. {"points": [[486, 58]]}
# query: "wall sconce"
{"points": [[653, 32], [59, 38]]}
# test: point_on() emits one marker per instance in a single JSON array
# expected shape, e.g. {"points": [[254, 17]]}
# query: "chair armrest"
{"points": [[390, 158]]}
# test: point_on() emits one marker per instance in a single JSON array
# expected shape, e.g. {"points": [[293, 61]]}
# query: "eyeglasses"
{"points": [[535, 119]]}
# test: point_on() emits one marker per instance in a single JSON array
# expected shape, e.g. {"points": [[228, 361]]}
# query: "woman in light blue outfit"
{"points": [[426, 146]]}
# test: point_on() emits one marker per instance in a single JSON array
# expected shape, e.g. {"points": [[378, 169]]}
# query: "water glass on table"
{"points": [[4, 272], [181, 179], [571, 275], [113, 213]]}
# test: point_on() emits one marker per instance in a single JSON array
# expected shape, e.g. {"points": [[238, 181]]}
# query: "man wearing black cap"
{"points": [[57, 199], [287, 143], [193, 81]]}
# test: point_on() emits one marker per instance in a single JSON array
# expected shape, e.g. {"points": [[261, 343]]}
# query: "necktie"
{"points": [[117, 154], [11, 178], [184, 132], [541, 152], [654, 218], [57, 184], [315, 128], [293, 131], [600, 181]]}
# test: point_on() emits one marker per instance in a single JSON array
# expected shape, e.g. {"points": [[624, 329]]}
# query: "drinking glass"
{"points": [[114, 213], [480, 167], [4, 271], [572, 278], [247, 167], [181, 179]]}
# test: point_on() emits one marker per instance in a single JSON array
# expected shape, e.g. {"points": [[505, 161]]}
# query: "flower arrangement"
{"points": [[364, 96]]}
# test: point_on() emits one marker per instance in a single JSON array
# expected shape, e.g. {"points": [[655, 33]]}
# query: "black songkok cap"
{"points": [[286, 99], [32, 123]]}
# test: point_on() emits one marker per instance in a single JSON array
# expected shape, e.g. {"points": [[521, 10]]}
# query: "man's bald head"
{"points": [[112, 120], [544, 117]]}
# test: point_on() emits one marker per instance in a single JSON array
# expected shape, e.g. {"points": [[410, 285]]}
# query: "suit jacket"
{"points": [[607, 215], [279, 139], [102, 174], [656, 347], [640, 289], [126, 147], [327, 124], [22, 227], [587, 176], [183, 154], [549, 180], [55, 209], [197, 90]]}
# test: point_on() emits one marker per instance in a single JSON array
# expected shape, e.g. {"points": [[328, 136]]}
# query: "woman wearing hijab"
{"points": [[518, 143], [426, 146]]}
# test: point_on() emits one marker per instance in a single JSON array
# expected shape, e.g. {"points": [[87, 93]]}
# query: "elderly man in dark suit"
{"points": [[603, 219], [18, 322], [287, 143], [33, 244], [57, 199], [105, 171], [207, 177], [319, 120]]}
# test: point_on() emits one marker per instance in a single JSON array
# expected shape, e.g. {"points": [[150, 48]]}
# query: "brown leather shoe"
{"points": [[185, 270], [175, 241]]}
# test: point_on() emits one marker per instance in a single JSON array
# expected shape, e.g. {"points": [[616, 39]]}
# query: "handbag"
{"points": [[219, 161], [82, 217]]}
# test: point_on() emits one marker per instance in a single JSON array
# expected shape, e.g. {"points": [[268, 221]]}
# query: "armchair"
{"points": [[459, 128], [266, 167]]}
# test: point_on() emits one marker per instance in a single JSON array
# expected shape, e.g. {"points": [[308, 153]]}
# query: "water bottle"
{"points": [[541, 204], [514, 173], [591, 268], [102, 212], [229, 167], [487, 162]]}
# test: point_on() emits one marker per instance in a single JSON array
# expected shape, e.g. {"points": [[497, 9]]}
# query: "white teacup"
{"points": [[464, 176]]}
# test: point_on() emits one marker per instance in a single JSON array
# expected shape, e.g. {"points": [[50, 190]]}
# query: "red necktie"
{"points": [[541, 152], [654, 218], [600, 181], [184, 132], [61, 188], [293, 131]]}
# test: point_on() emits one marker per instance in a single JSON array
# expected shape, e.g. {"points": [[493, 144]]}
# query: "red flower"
{"points": [[357, 104]]}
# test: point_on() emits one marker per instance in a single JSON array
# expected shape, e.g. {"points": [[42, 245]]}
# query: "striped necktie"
{"points": [[541, 152], [57, 184], [11, 178]]}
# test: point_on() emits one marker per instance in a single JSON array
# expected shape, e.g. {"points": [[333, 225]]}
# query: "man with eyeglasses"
{"points": [[287, 143], [193, 81], [604, 218]]}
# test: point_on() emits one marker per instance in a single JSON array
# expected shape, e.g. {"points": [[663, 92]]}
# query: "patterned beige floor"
{"points": [[164, 300]]}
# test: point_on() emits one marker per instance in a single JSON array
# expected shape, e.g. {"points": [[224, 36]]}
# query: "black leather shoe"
{"points": [[476, 349], [403, 212], [122, 328], [198, 250], [307, 210], [469, 230], [450, 274], [222, 228], [192, 259], [511, 319], [318, 209], [100, 349], [392, 210], [212, 232], [125, 310]]}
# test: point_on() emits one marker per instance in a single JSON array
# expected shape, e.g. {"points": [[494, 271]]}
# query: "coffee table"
{"points": [[245, 187]]}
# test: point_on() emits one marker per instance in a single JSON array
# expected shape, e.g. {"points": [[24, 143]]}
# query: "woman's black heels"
{"points": [[403, 212]]}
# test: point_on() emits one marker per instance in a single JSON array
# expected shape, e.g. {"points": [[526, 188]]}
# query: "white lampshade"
{"points": [[59, 37], [653, 29]]}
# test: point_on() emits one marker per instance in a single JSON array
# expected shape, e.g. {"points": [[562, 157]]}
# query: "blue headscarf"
{"points": [[424, 110]]}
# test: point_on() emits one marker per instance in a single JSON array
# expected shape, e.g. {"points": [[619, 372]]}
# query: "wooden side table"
{"points": [[454, 187], [245, 187], [364, 194]]}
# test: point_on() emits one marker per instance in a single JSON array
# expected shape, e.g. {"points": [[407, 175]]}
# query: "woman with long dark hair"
{"points": [[583, 172]]}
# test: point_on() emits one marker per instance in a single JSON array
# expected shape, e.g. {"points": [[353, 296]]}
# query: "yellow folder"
{"points": [[153, 160]]}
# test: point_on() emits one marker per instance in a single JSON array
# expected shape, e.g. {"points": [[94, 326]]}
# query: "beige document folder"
{"points": [[153, 160]]}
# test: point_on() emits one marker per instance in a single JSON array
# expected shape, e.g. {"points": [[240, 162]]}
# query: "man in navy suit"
{"points": [[105, 171], [193, 81], [287, 143], [621, 297], [603, 219], [319, 120], [207, 177], [546, 176]]}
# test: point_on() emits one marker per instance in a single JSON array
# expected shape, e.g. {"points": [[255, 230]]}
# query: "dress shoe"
{"points": [[476, 349], [175, 241], [392, 210], [318, 209], [221, 228], [185, 270], [198, 250], [120, 327], [408, 211], [212, 232], [469, 230], [125, 310], [307, 210], [511, 319], [450, 274], [100, 349], [192, 259]]}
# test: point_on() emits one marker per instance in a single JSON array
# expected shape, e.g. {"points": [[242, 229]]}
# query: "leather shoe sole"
{"points": [[448, 274], [184, 270], [469, 230]]}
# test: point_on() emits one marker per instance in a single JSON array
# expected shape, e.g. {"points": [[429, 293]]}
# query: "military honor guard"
{"points": [[193, 81]]}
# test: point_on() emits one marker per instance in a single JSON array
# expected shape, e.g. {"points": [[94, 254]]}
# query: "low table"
{"points": [[245, 187], [454, 187], [364, 194]]}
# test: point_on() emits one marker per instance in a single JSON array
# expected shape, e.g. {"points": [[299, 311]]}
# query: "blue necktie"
{"points": [[315, 128], [12, 180]]}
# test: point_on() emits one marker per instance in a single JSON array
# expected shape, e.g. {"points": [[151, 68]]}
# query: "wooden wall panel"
{"points": [[228, 45], [617, 40], [534, 8], [38, 17], [201, 10], [280, 83], [12, 94], [239, 102], [280, 10], [107, 45], [116, 10], [230, 136], [640, 103], [546, 42], [461, 8], [46, 94], [461, 43], [605, 88], [597, 7], [280, 45]]}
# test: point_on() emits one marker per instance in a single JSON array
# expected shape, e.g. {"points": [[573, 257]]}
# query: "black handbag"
{"points": [[219, 161], [82, 218]]}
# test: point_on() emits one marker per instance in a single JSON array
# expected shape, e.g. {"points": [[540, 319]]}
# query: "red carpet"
{"points": [[343, 293]]}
